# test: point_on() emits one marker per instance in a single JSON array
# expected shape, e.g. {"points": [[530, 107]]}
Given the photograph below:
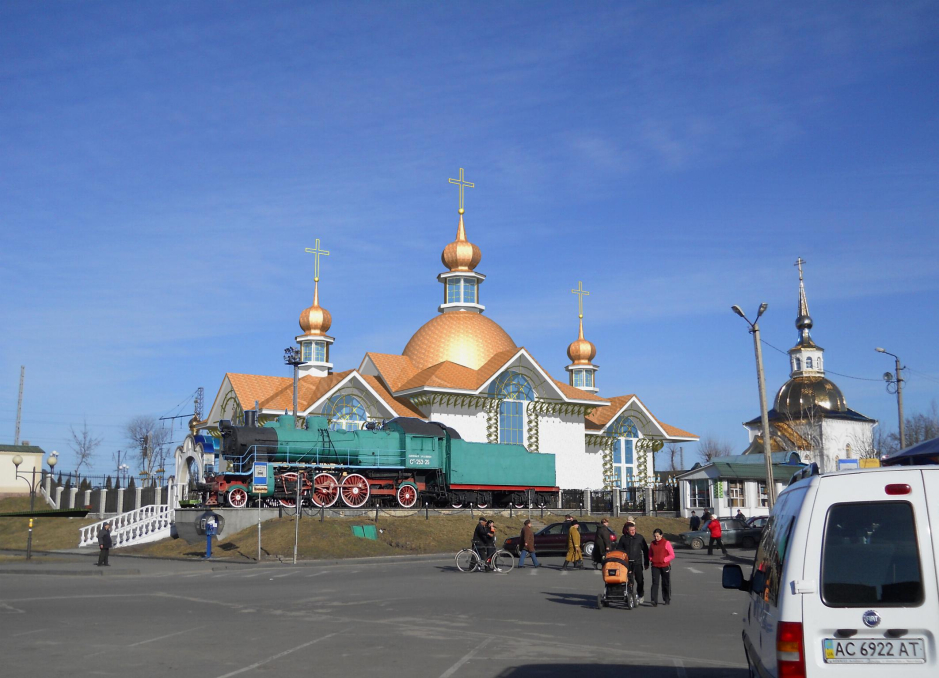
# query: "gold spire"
{"points": [[461, 255], [803, 304], [581, 351], [316, 320]]}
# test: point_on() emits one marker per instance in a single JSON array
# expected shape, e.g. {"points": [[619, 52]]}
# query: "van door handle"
{"points": [[845, 633], [897, 633]]}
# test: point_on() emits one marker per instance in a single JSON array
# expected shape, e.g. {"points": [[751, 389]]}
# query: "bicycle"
{"points": [[468, 560]]}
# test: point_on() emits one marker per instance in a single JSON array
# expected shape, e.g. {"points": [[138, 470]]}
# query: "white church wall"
{"points": [[576, 465], [838, 434], [469, 423]]}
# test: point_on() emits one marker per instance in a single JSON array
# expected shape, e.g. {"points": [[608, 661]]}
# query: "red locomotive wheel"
{"points": [[237, 497], [354, 490], [325, 490], [288, 503], [407, 496]]}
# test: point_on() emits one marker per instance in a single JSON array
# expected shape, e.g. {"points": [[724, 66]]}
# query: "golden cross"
{"points": [[799, 263], [462, 184], [316, 252], [581, 293]]}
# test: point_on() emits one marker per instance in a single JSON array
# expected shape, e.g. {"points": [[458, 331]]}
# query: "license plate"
{"points": [[869, 651]]}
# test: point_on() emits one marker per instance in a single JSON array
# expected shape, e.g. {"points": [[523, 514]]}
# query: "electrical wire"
{"points": [[846, 376], [922, 374]]}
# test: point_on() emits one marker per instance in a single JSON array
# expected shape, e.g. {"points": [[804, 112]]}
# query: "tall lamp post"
{"points": [[764, 416], [899, 386], [33, 482], [293, 357]]}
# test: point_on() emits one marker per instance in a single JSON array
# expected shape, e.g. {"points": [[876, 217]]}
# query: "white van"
{"points": [[845, 578]]}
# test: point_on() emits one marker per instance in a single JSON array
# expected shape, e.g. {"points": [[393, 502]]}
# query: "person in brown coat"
{"points": [[574, 554], [528, 546]]}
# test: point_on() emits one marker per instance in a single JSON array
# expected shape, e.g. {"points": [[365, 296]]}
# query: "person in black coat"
{"points": [[480, 537], [695, 522], [635, 546], [603, 543], [104, 544]]}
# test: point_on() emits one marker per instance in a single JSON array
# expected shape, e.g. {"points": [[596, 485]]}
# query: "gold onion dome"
{"points": [[462, 337], [806, 393], [315, 320], [461, 254], [581, 351]]}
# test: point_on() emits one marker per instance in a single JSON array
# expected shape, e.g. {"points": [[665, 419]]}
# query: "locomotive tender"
{"points": [[400, 463]]}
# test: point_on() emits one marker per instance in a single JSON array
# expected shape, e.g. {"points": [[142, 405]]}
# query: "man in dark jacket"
{"points": [[527, 547], [695, 522], [480, 538], [635, 546], [104, 544], [603, 543]]}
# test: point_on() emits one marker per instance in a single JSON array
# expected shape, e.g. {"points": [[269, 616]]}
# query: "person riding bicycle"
{"points": [[490, 544], [480, 538]]}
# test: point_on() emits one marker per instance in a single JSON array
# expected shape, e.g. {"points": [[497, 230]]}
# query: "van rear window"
{"points": [[870, 556]]}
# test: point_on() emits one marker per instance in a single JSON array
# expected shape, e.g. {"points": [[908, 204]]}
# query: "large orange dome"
{"points": [[463, 337]]}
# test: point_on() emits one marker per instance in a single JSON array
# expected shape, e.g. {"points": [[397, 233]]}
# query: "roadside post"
{"points": [[260, 481]]}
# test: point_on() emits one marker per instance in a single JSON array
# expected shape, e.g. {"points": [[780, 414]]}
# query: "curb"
{"points": [[71, 573]]}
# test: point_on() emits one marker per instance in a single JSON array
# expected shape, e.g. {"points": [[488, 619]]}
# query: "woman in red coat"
{"points": [[661, 554], [714, 527]]}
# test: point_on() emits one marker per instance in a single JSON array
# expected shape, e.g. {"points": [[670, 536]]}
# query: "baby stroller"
{"points": [[617, 581]]}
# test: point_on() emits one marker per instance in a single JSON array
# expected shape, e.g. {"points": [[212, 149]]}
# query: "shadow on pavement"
{"points": [[577, 599], [616, 670]]}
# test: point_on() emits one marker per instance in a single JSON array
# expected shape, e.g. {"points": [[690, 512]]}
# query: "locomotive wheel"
{"points": [[288, 503], [407, 496], [325, 491], [456, 504], [237, 497], [354, 490]]}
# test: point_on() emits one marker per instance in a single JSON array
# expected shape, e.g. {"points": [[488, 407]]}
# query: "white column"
{"points": [[87, 501], [71, 497], [120, 500], [58, 496], [102, 497]]}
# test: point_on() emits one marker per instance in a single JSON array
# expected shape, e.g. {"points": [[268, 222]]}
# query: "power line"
{"points": [[922, 374], [846, 376]]}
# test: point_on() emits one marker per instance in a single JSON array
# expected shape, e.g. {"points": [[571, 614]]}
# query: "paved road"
{"points": [[417, 619]]}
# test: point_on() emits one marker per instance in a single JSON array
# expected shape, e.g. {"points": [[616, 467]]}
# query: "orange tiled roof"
{"points": [[276, 393], [443, 375], [575, 393], [401, 406], [601, 416], [395, 370]]}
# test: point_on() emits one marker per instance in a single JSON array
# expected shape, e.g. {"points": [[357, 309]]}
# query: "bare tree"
{"points": [[673, 450], [917, 428], [149, 441], [869, 443], [83, 444], [710, 448]]}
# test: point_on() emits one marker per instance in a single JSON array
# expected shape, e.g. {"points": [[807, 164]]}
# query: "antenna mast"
{"points": [[19, 406]]}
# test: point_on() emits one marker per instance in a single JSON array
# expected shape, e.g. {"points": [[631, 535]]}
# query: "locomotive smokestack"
{"points": [[251, 417]]}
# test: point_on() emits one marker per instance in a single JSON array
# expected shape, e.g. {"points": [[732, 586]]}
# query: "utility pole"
{"points": [[899, 382], [19, 406], [293, 357], [764, 415]]}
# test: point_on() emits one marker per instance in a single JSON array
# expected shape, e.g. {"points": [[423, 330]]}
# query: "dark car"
{"points": [[758, 521], [733, 533], [553, 539]]}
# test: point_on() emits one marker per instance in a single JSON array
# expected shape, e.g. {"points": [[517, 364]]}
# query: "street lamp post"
{"points": [[292, 356], [764, 415], [899, 382], [33, 483]]}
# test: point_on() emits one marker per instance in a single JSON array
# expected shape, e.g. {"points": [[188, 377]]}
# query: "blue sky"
{"points": [[164, 164]]}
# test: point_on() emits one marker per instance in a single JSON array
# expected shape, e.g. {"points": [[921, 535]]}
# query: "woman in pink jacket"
{"points": [[661, 554]]}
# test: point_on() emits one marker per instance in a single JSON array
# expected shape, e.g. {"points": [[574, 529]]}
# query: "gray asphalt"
{"points": [[419, 618]]}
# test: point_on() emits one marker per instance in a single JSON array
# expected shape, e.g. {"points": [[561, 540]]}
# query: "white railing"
{"points": [[140, 526]]}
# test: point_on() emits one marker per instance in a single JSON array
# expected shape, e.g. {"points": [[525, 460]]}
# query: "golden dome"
{"points": [[463, 337], [315, 320], [805, 393], [581, 351], [461, 255]]}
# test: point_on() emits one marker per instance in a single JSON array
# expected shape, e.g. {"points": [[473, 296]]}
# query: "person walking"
{"points": [[714, 527], [635, 546], [695, 522], [104, 545], [528, 545], [603, 543], [661, 555], [574, 555]]}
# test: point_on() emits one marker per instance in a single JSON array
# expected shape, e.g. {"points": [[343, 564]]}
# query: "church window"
{"points": [[818, 363], [469, 291], [307, 351], [319, 351], [808, 363], [627, 451], [578, 378], [617, 451], [453, 290], [625, 427], [461, 290], [588, 378], [618, 477], [798, 365], [514, 388], [345, 413]]}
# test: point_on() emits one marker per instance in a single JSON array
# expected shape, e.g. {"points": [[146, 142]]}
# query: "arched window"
{"points": [[345, 413], [818, 363], [798, 364], [808, 363], [625, 427], [515, 389]]}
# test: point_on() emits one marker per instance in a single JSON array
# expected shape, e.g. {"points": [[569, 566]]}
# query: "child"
{"points": [[661, 554]]}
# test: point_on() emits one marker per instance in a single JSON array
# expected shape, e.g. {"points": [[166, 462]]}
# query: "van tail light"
{"points": [[898, 488], [790, 650]]}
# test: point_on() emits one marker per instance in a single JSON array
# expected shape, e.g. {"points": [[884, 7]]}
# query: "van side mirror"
{"points": [[732, 578]]}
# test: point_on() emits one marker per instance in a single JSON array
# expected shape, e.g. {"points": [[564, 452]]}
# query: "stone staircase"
{"points": [[140, 526]]}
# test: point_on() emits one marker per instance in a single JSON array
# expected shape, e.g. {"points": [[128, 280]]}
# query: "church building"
{"points": [[462, 369], [810, 414]]}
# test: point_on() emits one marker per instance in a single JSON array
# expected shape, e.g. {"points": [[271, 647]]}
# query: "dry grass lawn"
{"points": [[331, 539]]}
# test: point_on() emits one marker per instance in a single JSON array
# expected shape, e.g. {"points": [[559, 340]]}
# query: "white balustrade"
{"points": [[140, 526]]}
